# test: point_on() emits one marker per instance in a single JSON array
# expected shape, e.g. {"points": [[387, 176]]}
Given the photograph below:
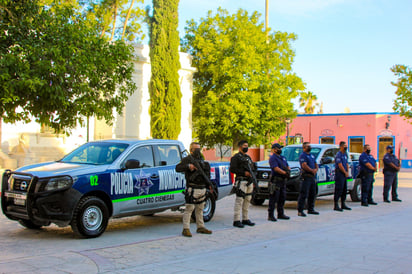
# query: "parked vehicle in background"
{"points": [[325, 178], [354, 156], [103, 179]]}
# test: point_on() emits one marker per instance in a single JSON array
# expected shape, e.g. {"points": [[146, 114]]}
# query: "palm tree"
{"points": [[129, 11], [308, 101], [113, 13]]}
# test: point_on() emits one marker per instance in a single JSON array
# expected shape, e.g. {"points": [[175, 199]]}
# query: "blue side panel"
{"points": [[120, 184], [406, 163], [219, 173]]}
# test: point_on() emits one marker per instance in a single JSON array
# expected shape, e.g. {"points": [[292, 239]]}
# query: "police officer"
{"points": [[277, 187], [196, 184], [367, 167], [242, 165], [391, 167], [308, 187], [341, 173]]}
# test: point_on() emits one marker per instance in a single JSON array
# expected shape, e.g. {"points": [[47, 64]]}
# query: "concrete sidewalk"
{"points": [[364, 240]]}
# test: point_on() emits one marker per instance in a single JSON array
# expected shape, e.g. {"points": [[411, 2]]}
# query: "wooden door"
{"points": [[383, 143]]}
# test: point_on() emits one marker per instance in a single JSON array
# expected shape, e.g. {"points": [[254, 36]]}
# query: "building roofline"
{"points": [[348, 114]]}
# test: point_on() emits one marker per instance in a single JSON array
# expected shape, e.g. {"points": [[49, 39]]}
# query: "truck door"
{"points": [[145, 178], [328, 170], [171, 183]]}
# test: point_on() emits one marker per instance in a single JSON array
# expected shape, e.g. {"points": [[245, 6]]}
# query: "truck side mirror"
{"points": [[132, 164], [326, 160]]}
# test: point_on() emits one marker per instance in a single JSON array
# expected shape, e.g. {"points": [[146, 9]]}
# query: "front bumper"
{"points": [[42, 208], [292, 189]]}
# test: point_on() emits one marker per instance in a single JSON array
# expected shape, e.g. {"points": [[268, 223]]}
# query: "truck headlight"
{"points": [[294, 172], [265, 175], [58, 183]]}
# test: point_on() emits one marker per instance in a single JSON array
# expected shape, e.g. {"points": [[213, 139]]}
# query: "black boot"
{"points": [[271, 217], [344, 206], [238, 224], [248, 222], [337, 208]]}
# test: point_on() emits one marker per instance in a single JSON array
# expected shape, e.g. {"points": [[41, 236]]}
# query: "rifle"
{"points": [[253, 178], [203, 174]]}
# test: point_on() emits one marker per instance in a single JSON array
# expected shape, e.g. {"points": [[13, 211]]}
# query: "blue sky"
{"points": [[344, 50]]}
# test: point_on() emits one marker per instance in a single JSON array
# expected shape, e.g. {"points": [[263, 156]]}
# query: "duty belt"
{"points": [[236, 189], [196, 186], [192, 200]]}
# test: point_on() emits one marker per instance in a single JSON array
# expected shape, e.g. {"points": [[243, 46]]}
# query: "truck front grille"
{"points": [[19, 183]]}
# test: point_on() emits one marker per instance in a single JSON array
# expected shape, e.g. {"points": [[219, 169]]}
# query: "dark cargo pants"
{"points": [[307, 190]]}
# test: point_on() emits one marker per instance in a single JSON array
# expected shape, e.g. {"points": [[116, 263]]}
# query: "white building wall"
{"points": [[186, 87], [135, 121]]}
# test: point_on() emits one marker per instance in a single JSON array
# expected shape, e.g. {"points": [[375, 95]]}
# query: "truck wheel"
{"points": [[90, 217], [208, 210], [356, 192], [256, 201], [29, 224]]}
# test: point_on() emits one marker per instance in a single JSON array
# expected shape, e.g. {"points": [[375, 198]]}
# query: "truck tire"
{"points": [[356, 192], [29, 224], [90, 217], [209, 209]]}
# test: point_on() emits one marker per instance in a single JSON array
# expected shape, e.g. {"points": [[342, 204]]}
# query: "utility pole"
{"points": [[267, 32], [267, 20]]}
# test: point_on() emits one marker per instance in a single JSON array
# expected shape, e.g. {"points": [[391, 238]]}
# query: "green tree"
{"points": [[164, 87], [403, 100], [55, 69], [244, 82], [308, 100]]}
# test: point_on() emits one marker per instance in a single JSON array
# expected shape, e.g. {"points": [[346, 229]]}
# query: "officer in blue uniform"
{"points": [[391, 167], [341, 173], [277, 187], [367, 167], [308, 187]]}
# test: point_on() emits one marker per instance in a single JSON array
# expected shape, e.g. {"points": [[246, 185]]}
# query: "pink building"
{"points": [[376, 129]]}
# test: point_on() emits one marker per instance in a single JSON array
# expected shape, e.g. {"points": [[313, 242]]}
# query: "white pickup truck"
{"points": [[325, 178]]}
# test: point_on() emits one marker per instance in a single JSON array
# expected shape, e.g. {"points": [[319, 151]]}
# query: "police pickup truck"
{"points": [[325, 178], [103, 179]]}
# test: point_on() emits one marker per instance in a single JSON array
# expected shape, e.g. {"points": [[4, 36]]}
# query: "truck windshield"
{"points": [[95, 153], [293, 153]]}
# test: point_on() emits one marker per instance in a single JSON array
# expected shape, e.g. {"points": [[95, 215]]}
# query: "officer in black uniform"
{"points": [[196, 184], [391, 167], [242, 165]]}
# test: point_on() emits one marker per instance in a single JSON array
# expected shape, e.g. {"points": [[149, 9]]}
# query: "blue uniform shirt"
{"points": [[341, 158], [277, 161], [307, 158], [387, 159], [364, 159]]}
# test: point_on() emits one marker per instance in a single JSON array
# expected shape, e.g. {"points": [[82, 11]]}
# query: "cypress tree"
{"points": [[164, 88]]}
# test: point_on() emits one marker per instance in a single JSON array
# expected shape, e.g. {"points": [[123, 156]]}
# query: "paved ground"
{"points": [[364, 240]]}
